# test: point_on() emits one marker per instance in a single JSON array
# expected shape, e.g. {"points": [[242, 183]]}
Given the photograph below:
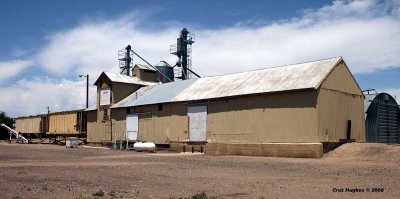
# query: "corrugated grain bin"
{"points": [[382, 122], [31, 124], [67, 123]]}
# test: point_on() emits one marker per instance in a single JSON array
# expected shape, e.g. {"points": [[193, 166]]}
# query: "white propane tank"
{"points": [[144, 146]]}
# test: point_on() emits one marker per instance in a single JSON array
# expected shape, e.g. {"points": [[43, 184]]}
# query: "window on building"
{"points": [[128, 110], [160, 107], [105, 115]]}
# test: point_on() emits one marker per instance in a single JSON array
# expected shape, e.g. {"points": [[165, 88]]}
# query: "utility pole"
{"points": [[87, 88], [368, 90], [87, 91], [128, 59]]}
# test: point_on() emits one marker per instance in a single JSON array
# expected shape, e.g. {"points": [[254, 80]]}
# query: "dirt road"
{"points": [[49, 171]]}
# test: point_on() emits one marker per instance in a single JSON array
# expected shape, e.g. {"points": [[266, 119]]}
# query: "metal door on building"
{"points": [[132, 126], [197, 116], [388, 131]]}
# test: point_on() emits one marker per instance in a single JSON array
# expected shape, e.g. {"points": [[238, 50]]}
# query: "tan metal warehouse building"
{"points": [[281, 111]]}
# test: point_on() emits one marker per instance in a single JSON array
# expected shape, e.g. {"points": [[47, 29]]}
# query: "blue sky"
{"points": [[30, 22], [45, 45]]}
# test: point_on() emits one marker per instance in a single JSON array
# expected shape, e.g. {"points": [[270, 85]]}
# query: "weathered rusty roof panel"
{"points": [[284, 78], [155, 94]]}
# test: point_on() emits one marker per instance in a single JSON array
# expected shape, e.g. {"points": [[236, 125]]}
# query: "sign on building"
{"points": [[105, 97]]}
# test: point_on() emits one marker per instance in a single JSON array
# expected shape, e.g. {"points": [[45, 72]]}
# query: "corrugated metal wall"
{"points": [[121, 91], [97, 129], [163, 126], [100, 130], [33, 124], [304, 116], [92, 132], [144, 75], [160, 126], [64, 123], [383, 120], [334, 110], [118, 123], [339, 100], [277, 117]]}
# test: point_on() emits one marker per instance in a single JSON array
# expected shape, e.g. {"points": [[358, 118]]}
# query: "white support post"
{"points": [[115, 141], [127, 141], [12, 131]]}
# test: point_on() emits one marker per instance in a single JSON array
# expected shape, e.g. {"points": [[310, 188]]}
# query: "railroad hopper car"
{"points": [[57, 124], [34, 126], [67, 124]]}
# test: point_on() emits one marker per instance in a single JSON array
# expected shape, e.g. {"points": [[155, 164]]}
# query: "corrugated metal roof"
{"points": [[91, 108], [155, 94], [125, 79], [145, 67], [291, 77], [162, 63], [29, 116], [66, 111], [53, 113]]}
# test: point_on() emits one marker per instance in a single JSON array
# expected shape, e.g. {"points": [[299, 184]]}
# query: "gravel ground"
{"points": [[50, 171]]}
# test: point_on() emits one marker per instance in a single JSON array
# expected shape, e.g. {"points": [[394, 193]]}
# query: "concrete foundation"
{"points": [[297, 150], [100, 144], [187, 147]]}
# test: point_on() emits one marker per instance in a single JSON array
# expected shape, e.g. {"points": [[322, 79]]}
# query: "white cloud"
{"points": [[394, 92], [360, 31], [34, 96], [93, 47], [11, 68], [365, 33]]}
